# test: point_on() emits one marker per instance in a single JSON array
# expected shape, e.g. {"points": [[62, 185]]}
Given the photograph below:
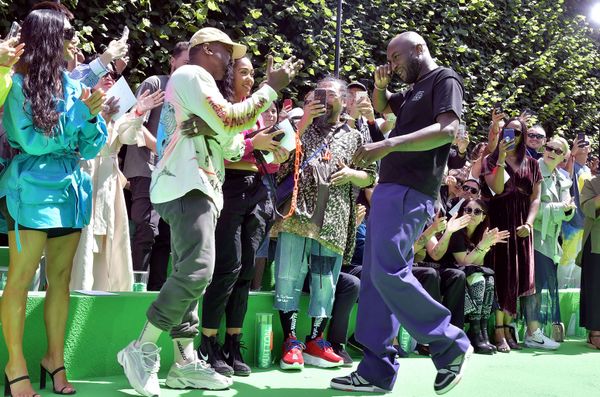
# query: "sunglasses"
{"points": [[555, 150], [476, 211], [69, 33], [471, 189], [536, 136]]}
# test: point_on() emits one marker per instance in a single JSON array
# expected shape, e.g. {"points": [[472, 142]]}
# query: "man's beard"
{"points": [[412, 70], [323, 121]]}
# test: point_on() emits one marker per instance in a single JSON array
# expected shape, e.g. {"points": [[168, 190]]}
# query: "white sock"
{"points": [[150, 333], [183, 350]]}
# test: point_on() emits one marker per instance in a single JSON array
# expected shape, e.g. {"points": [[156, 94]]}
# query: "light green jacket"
{"points": [[591, 226], [548, 221]]}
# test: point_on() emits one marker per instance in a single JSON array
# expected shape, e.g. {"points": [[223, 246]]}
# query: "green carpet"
{"points": [[572, 371]]}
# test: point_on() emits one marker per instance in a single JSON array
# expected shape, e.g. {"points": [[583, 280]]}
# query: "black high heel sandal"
{"points": [[44, 372], [7, 383]]}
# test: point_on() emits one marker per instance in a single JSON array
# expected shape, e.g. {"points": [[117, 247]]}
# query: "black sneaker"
{"points": [[353, 343], [355, 382], [211, 352], [338, 349], [232, 352], [451, 374]]}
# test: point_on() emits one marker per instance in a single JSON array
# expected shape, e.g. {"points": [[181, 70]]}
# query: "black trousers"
{"points": [[239, 232], [151, 244]]}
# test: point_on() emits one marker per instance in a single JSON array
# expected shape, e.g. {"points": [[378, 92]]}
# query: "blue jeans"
{"points": [[294, 257]]}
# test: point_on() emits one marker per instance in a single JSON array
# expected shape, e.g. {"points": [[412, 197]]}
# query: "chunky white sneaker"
{"points": [[141, 363], [538, 340], [197, 375]]}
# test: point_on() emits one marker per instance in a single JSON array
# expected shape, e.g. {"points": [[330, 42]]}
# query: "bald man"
{"points": [[412, 163]]}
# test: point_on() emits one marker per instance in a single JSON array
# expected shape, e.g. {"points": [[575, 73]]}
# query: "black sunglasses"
{"points": [[535, 136], [69, 33], [558, 151], [476, 211], [471, 189]]}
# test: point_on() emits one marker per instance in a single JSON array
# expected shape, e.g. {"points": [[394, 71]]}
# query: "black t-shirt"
{"points": [[439, 91], [458, 243]]}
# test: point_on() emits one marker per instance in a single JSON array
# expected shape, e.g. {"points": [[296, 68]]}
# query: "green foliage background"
{"points": [[536, 54]]}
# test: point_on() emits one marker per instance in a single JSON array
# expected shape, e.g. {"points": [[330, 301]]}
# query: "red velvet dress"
{"points": [[512, 262]]}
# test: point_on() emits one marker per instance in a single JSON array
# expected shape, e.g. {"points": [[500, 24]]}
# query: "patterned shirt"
{"points": [[340, 211]]}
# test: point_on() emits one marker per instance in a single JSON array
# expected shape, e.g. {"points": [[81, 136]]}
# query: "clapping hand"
{"points": [[455, 224], [94, 101], [110, 108], [148, 101]]}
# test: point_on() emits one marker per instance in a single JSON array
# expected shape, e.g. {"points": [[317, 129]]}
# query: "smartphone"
{"points": [[321, 96], [498, 107], [15, 30], [279, 137], [581, 139], [360, 95], [125, 35], [509, 135], [462, 130], [288, 104]]}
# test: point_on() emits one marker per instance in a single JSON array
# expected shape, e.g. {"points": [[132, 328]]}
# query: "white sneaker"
{"points": [[539, 341], [141, 363], [197, 375]]}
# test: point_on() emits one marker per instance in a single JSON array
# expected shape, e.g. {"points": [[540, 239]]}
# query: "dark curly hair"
{"points": [[42, 65]]}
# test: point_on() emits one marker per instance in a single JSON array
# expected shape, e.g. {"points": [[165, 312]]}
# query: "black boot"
{"points": [[232, 352], [477, 341], [211, 352], [485, 336]]}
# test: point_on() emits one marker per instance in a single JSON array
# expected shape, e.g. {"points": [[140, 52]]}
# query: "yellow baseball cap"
{"points": [[209, 35]]}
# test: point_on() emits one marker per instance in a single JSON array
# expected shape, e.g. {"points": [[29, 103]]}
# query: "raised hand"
{"points": [[148, 101], [455, 224], [93, 101], [117, 49], [281, 77], [312, 110], [501, 237], [383, 76], [439, 223], [503, 147], [365, 108], [10, 52]]}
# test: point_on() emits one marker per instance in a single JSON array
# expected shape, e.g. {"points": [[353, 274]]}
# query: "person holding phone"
{"points": [[247, 210], [10, 53], [513, 185], [46, 197], [313, 239], [556, 207]]}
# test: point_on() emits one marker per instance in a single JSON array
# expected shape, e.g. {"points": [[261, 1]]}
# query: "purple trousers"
{"points": [[389, 293]]}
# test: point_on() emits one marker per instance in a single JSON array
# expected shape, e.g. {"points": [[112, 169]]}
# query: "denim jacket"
{"points": [[44, 184]]}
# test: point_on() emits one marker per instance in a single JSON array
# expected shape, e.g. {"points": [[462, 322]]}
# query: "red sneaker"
{"points": [[318, 352], [292, 354]]}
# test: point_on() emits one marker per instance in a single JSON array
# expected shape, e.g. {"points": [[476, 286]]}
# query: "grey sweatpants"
{"points": [[192, 219]]}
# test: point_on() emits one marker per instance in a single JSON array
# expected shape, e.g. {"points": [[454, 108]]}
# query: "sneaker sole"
{"points": [[459, 376], [368, 389], [184, 383], [122, 358], [242, 373], [534, 345], [319, 362], [286, 366]]}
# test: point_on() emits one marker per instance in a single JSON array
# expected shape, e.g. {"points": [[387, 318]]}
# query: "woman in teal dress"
{"points": [[52, 121]]}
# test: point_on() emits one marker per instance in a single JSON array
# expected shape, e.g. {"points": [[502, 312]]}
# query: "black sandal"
{"points": [[502, 346], [512, 342], [7, 383], [44, 371]]}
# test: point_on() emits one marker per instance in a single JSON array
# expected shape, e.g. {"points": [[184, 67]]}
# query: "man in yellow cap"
{"points": [[202, 130]]}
